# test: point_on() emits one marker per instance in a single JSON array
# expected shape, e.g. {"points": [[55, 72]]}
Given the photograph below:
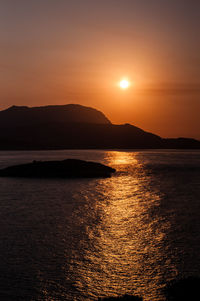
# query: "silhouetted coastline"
{"points": [[76, 127]]}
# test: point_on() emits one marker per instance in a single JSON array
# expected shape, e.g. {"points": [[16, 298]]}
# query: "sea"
{"points": [[84, 239]]}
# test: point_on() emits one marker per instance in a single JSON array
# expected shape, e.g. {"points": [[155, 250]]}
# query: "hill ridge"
{"points": [[74, 126], [24, 115]]}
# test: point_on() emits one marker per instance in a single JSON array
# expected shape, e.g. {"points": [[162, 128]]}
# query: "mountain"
{"points": [[75, 127], [181, 143], [25, 116]]}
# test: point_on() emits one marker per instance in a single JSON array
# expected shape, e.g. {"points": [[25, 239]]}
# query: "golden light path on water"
{"points": [[123, 253], [83, 239]]}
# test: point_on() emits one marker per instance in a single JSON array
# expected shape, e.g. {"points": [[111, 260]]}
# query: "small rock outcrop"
{"points": [[69, 168]]}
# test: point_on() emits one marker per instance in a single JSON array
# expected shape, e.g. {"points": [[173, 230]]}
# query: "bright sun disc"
{"points": [[124, 84]]}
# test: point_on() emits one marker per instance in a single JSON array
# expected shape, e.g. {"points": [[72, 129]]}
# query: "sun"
{"points": [[124, 84]]}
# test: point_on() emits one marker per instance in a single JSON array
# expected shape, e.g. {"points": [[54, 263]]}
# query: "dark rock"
{"points": [[69, 168], [183, 290]]}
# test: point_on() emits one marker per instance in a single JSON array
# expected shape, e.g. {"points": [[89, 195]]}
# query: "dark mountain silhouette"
{"points": [[182, 143], [25, 116], [75, 126]]}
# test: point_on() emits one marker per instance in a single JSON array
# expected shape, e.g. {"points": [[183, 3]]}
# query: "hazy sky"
{"points": [[61, 51]]}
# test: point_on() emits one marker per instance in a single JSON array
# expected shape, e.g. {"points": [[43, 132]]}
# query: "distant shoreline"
{"points": [[76, 127], [98, 149]]}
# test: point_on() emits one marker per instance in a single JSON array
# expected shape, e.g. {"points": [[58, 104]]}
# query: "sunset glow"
{"points": [[100, 150], [136, 61], [124, 84]]}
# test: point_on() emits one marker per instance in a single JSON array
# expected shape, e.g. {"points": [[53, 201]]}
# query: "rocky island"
{"points": [[69, 168]]}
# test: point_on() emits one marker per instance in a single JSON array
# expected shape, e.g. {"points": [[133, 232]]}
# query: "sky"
{"points": [[61, 51]]}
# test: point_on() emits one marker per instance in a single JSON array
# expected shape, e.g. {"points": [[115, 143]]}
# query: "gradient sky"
{"points": [[60, 51]]}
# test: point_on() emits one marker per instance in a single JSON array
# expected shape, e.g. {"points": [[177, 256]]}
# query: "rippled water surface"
{"points": [[82, 239]]}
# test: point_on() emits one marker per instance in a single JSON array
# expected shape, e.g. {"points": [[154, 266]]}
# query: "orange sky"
{"points": [[59, 52]]}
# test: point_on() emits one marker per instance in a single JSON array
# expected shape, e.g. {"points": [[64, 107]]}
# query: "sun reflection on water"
{"points": [[123, 251], [119, 158]]}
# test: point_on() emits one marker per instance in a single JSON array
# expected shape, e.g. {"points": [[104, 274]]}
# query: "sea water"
{"points": [[82, 239]]}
